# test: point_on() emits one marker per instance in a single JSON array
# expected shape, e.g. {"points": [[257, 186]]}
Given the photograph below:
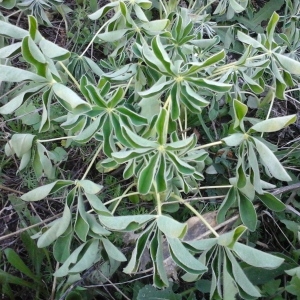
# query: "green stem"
{"points": [[94, 37], [207, 145], [269, 112], [120, 197], [56, 139], [215, 187], [157, 195], [115, 207], [92, 162], [70, 75], [200, 217]]}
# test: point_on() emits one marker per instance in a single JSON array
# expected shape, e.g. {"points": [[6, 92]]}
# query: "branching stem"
{"points": [[191, 208]]}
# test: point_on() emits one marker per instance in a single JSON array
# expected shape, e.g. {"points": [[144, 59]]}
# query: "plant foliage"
{"points": [[166, 66]]}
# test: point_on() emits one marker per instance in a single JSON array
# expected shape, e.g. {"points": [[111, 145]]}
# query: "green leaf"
{"points": [[155, 26], [181, 166], [8, 4], [10, 50], [229, 200], [81, 226], [8, 278], [70, 100], [21, 143], [151, 293], [162, 126], [271, 162], [53, 51], [125, 223], [12, 31], [247, 212], [160, 278], [136, 141], [133, 117], [240, 111], [238, 8], [112, 36], [12, 74], [15, 260], [184, 258], [240, 277], [103, 10], [234, 139], [138, 250], [271, 27], [161, 54], [288, 64], [89, 186], [124, 156], [113, 251], [34, 56], [271, 202], [97, 204], [229, 239], [196, 67], [61, 248], [256, 257], [43, 191], [250, 41], [203, 245], [146, 177], [274, 124], [72, 259], [170, 227], [57, 229], [17, 101]]}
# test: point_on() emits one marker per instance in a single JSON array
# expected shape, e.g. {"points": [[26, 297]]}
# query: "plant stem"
{"points": [[70, 75], [207, 145], [191, 208], [157, 196], [56, 139], [115, 207], [92, 162], [94, 37], [120, 197], [269, 111]]}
